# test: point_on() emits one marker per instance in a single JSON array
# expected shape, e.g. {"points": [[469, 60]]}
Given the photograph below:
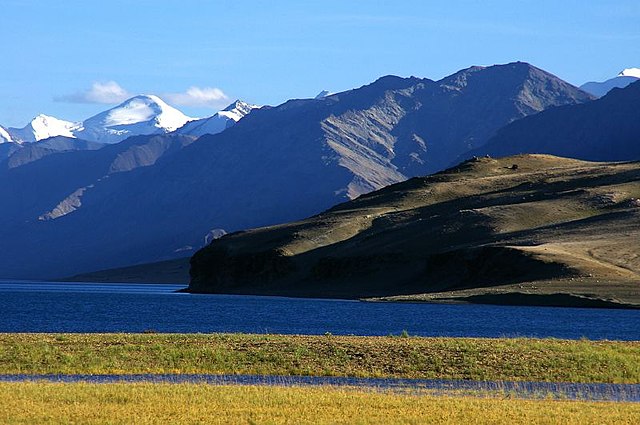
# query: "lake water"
{"points": [[88, 307], [544, 390]]}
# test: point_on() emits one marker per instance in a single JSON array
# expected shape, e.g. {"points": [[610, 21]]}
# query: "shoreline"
{"points": [[563, 300], [462, 297]]}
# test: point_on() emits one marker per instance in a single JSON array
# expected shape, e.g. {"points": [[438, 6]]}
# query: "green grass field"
{"points": [[191, 403], [446, 358]]}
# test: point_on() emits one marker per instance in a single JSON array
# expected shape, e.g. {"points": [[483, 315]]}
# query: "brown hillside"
{"points": [[525, 229]]}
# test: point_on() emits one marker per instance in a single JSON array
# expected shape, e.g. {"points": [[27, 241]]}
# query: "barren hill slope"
{"points": [[529, 229]]}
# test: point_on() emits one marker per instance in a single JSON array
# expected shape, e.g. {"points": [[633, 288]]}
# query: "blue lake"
{"points": [[88, 307]]}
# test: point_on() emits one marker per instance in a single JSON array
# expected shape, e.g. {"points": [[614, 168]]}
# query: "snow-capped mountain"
{"points": [[42, 127], [630, 72], [140, 115], [622, 80], [5, 137], [218, 122], [323, 94]]}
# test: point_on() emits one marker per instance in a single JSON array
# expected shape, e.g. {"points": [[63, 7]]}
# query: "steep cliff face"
{"points": [[398, 128]]}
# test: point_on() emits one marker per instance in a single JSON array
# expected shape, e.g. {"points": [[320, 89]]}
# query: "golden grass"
{"points": [[55, 403], [516, 359]]}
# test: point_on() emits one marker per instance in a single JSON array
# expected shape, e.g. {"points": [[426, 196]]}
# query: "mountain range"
{"points": [[139, 115], [40, 128], [607, 129], [622, 80], [218, 122], [148, 114], [162, 196]]}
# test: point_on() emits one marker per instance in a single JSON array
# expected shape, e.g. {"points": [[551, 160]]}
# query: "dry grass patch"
{"points": [[516, 359], [190, 403]]}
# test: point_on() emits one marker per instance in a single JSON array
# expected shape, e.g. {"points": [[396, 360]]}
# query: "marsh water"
{"points": [[90, 307], [562, 390]]}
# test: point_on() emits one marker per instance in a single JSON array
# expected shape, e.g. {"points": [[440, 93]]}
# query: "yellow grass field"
{"points": [[55, 403]]}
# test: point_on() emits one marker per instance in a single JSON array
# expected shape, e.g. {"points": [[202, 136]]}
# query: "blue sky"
{"points": [[72, 59]]}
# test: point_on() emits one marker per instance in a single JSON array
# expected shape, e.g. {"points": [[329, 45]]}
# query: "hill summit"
{"points": [[528, 229]]}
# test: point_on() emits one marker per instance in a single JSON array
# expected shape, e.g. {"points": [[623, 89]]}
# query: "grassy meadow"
{"points": [[56, 403], [516, 359]]}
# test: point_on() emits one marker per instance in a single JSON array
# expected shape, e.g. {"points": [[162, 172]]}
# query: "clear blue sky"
{"points": [[61, 57]]}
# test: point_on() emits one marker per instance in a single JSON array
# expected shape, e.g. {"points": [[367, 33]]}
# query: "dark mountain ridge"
{"points": [[17, 155], [607, 129]]}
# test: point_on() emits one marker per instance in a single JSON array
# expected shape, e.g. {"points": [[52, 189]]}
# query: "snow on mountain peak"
{"points": [[4, 135], [237, 110], [46, 126], [218, 122], [630, 72], [42, 127], [145, 108], [143, 114], [139, 115], [323, 94]]}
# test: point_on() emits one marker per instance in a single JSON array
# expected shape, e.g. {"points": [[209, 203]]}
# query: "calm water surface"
{"points": [[88, 307], [544, 390]]}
